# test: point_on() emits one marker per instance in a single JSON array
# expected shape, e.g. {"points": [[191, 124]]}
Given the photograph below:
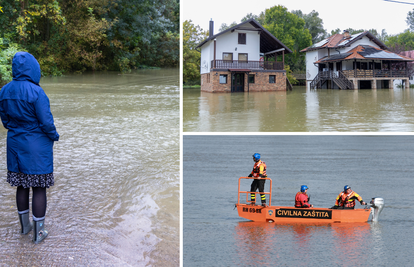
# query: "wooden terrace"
{"points": [[252, 65], [375, 73], [348, 79]]}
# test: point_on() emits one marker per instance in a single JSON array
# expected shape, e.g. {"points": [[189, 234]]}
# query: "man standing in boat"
{"points": [[302, 198], [258, 172], [346, 199]]}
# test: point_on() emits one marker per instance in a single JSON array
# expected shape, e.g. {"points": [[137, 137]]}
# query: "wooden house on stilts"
{"points": [[359, 61]]}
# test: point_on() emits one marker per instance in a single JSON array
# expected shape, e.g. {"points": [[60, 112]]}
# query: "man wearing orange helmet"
{"points": [[346, 199], [259, 171]]}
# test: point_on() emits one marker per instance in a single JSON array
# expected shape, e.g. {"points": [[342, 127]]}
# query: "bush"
{"points": [[48, 66], [7, 52]]}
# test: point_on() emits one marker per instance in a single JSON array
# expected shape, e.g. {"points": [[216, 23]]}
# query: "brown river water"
{"points": [[116, 196], [300, 110]]}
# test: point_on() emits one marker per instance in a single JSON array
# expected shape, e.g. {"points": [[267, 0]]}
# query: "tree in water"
{"points": [[291, 31], [314, 24], [192, 36]]}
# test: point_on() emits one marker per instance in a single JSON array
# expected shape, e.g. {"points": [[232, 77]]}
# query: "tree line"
{"points": [[83, 35], [294, 29]]}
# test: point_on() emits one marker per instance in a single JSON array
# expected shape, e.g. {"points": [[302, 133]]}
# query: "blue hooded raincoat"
{"points": [[25, 112]]}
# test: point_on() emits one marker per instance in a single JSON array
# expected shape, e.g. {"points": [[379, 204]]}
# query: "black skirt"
{"points": [[30, 180]]}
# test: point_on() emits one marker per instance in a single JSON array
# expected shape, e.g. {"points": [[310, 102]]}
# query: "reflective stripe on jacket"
{"points": [[347, 200], [259, 169]]}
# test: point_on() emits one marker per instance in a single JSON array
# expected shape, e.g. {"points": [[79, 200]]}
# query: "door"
{"points": [[238, 82]]}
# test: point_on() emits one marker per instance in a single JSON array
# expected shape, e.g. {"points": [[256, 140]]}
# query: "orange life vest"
{"points": [[347, 200], [259, 168]]}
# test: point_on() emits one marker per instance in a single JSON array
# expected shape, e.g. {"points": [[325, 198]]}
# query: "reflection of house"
{"points": [[241, 59], [358, 61]]}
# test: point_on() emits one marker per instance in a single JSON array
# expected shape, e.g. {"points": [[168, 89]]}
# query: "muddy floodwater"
{"points": [[300, 110], [116, 196]]}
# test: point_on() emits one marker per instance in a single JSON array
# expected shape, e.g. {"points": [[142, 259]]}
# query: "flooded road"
{"points": [[116, 196], [300, 110], [374, 166]]}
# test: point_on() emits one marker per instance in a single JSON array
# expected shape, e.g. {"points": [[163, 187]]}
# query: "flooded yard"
{"points": [[116, 196], [300, 110]]}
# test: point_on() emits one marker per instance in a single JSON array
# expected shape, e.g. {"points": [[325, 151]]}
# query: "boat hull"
{"points": [[298, 215]]}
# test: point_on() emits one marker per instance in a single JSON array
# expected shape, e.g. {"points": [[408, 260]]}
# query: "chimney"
{"points": [[211, 29], [346, 34]]}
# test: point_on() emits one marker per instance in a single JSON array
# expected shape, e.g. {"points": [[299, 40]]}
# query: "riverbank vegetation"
{"points": [[293, 28], [88, 35]]}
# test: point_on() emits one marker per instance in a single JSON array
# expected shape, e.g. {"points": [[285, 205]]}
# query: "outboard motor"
{"points": [[377, 204]]}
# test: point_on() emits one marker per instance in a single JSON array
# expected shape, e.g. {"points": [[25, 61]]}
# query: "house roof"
{"points": [[409, 53], [341, 40], [364, 52], [268, 42]]}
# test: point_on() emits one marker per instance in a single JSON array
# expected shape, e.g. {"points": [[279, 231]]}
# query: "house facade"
{"points": [[359, 61], [409, 54], [243, 58]]}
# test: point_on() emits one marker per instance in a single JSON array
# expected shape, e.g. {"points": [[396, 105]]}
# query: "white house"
{"points": [[241, 59], [359, 61]]}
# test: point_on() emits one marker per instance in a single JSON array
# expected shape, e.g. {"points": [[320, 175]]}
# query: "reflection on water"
{"points": [[258, 243], [299, 110], [116, 194]]}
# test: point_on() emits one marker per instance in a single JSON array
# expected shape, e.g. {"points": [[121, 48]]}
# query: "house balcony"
{"points": [[357, 79], [375, 73], [251, 65]]}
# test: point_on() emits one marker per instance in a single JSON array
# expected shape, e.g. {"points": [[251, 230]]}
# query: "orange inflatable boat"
{"points": [[271, 213]]}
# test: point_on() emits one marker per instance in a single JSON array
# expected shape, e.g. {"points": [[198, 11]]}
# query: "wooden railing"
{"points": [[337, 76], [375, 73], [299, 75], [342, 81], [289, 86], [241, 64], [316, 83]]}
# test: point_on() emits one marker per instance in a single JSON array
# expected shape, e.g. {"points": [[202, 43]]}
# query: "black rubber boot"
{"points": [[25, 224], [39, 232]]}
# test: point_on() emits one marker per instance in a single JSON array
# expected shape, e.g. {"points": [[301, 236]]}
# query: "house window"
{"points": [[364, 66], [227, 56], [272, 78], [243, 57], [208, 77], [339, 66], [251, 78], [322, 67], [242, 38], [223, 78]]}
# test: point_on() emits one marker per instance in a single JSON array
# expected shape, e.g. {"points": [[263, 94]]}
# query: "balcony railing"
{"points": [[241, 64], [375, 73]]}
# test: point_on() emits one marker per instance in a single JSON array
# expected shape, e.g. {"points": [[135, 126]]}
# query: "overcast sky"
{"points": [[356, 14]]}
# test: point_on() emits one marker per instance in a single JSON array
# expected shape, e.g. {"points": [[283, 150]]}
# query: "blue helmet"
{"points": [[303, 188], [346, 187], [256, 156]]}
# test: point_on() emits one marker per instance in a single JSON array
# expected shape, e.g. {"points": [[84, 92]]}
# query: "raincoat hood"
{"points": [[25, 113], [25, 68]]}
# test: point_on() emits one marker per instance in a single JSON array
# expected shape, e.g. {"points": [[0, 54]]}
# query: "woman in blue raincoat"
{"points": [[25, 113]]}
